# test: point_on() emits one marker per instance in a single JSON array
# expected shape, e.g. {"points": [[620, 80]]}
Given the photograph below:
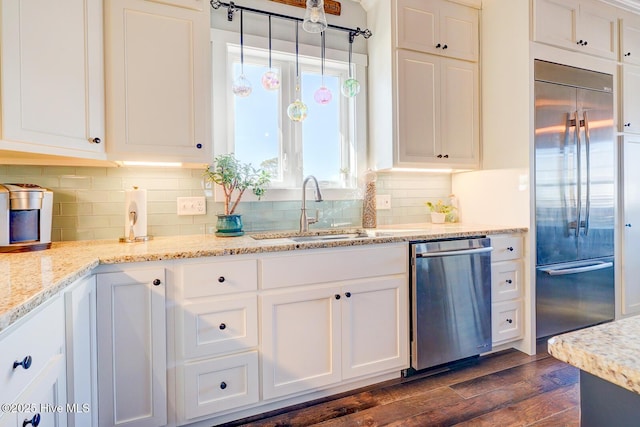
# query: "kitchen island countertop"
{"points": [[610, 351], [28, 279]]}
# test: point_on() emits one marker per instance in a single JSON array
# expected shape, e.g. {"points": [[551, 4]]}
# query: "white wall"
{"points": [[493, 197]]}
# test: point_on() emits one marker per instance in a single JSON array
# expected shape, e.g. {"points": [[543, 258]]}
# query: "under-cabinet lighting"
{"points": [[421, 170], [152, 164]]}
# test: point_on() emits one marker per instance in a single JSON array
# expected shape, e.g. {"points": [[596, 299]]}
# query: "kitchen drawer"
{"points": [[216, 385], [220, 326], [506, 248], [39, 336], [506, 281], [331, 265], [219, 277], [506, 321]]}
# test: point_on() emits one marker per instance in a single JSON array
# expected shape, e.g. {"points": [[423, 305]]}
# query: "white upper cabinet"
{"points": [[431, 93], [630, 39], [582, 25], [52, 80], [439, 27], [158, 80], [437, 112]]}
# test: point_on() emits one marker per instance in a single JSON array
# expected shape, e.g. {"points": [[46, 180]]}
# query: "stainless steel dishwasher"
{"points": [[450, 300]]}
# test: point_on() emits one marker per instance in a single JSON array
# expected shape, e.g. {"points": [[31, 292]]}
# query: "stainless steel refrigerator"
{"points": [[575, 199]]}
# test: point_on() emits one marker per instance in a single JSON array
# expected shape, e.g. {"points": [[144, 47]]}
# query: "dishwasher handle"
{"points": [[576, 270], [456, 252]]}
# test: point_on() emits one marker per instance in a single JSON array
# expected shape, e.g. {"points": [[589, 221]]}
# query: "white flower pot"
{"points": [[437, 217]]}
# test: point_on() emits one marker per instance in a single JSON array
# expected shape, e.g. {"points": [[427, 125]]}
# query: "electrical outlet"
{"points": [[383, 201], [192, 206]]}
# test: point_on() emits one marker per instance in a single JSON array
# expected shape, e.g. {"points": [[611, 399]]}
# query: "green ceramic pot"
{"points": [[229, 225]]}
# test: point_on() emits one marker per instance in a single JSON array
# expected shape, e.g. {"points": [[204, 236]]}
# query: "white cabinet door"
{"points": [[375, 322], [630, 102], [300, 340], [418, 113], [459, 31], [459, 123], [631, 233], [556, 22], [437, 115], [598, 28], [584, 26], [437, 27], [132, 365], [45, 398], [52, 77], [630, 39], [158, 81], [81, 353]]}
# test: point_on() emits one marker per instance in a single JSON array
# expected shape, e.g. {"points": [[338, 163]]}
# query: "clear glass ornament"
{"points": [[270, 80], [350, 87], [322, 95], [297, 111], [241, 86]]}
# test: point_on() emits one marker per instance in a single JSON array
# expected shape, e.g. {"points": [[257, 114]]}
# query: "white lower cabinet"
{"points": [[32, 368], [132, 348], [316, 335], [300, 340], [219, 384], [217, 336], [507, 289], [82, 353]]}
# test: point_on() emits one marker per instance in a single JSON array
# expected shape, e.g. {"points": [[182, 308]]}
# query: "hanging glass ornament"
{"points": [[241, 85], [350, 87], [323, 95], [297, 110], [270, 79]]}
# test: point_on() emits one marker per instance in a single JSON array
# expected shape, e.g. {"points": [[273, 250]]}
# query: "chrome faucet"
{"points": [[304, 219]]}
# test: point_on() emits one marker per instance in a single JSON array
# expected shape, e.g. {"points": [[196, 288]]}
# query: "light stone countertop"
{"points": [[28, 279], [610, 351]]}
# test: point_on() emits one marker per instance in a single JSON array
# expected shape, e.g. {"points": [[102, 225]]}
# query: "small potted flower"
{"points": [[235, 177], [439, 211]]}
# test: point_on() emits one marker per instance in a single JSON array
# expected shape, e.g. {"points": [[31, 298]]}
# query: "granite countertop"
{"points": [[30, 278], [610, 351]]}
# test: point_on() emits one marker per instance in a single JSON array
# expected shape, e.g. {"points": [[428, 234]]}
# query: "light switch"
{"points": [[383, 201]]}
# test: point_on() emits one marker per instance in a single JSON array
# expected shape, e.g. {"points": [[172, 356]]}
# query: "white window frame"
{"points": [[223, 42]]}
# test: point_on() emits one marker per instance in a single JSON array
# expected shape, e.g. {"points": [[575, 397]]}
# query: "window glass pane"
{"points": [[257, 123], [321, 139]]}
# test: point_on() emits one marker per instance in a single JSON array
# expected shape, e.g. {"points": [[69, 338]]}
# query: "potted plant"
{"points": [[439, 211], [235, 177]]}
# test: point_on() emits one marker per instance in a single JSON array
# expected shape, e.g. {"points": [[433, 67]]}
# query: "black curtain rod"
{"points": [[232, 8]]}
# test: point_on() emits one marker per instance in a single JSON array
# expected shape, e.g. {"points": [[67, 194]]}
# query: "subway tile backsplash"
{"points": [[89, 201]]}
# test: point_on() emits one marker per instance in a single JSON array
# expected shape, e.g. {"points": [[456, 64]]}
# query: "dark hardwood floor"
{"points": [[504, 389]]}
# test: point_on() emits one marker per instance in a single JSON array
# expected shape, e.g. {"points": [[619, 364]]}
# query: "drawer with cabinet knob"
{"points": [[219, 384], [220, 325], [219, 277], [506, 248], [506, 281], [506, 320], [28, 346]]}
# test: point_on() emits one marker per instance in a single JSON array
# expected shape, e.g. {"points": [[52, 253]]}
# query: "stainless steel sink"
{"points": [[329, 237], [313, 236]]}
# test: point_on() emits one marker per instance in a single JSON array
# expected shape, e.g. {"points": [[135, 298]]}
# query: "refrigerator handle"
{"points": [[576, 270], [587, 139], [578, 178]]}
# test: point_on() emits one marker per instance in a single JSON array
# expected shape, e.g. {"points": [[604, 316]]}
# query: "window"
{"points": [[328, 144]]}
